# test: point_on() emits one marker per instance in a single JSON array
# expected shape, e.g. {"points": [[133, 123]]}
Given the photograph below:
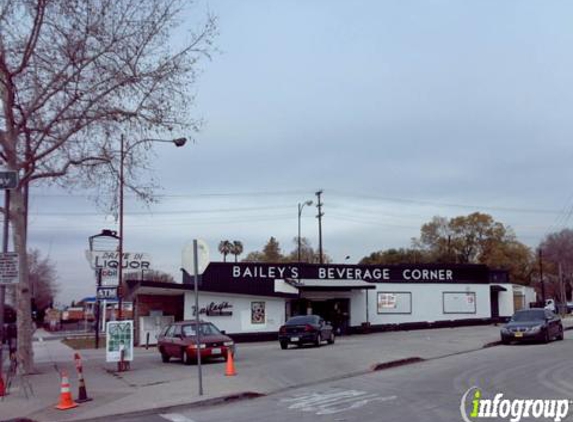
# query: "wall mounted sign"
{"points": [[374, 273], [258, 313], [215, 309]]}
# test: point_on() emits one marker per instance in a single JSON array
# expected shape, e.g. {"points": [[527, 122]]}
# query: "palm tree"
{"points": [[237, 248], [225, 248]]}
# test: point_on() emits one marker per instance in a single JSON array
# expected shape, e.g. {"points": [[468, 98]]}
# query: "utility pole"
{"points": [[319, 216], [541, 277]]}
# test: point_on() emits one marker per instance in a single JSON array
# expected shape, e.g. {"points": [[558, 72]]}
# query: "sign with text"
{"points": [[8, 179], [423, 273], [108, 263], [107, 292], [119, 341], [9, 268]]}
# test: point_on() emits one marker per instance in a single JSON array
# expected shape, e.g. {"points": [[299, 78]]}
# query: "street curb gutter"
{"points": [[395, 363], [247, 395]]}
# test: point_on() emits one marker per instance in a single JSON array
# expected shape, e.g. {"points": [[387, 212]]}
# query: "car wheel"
{"points": [[546, 337], [331, 339], [284, 345], [560, 335], [164, 356], [318, 340]]}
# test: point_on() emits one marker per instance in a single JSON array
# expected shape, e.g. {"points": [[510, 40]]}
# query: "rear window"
{"points": [[206, 330], [303, 319], [530, 315]]}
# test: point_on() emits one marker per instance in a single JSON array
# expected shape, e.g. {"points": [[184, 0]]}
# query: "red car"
{"points": [[179, 340]]}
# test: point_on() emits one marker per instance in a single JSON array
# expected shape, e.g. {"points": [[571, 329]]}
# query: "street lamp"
{"points": [[300, 207], [178, 142]]}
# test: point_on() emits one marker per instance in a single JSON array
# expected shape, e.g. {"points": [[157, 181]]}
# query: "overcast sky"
{"points": [[398, 110]]}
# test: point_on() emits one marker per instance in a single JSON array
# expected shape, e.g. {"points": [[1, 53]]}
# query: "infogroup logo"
{"points": [[475, 407]]}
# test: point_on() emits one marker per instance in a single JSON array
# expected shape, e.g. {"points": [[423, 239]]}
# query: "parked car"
{"points": [[305, 329], [179, 340], [532, 324]]}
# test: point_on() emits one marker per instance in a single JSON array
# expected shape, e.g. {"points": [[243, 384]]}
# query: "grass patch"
{"points": [[80, 343]]}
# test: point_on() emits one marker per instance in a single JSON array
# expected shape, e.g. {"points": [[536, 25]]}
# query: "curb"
{"points": [[247, 395], [396, 363]]}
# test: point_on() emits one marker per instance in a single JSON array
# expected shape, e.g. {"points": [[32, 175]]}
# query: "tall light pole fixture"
{"points": [[178, 142], [300, 207]]}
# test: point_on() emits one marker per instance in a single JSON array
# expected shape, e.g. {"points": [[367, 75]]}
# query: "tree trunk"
{"points": [[24, 307]]}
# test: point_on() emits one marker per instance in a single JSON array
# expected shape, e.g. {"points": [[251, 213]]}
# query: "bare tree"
{"points": [[74, 76], [43, 279]]}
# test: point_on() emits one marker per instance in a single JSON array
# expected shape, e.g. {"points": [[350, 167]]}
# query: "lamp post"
{"points": [[300, 207], [178, 142], [100, 242]]}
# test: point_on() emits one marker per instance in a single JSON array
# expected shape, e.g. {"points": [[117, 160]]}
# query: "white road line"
{"points": [[175, 417], [332, 402]]}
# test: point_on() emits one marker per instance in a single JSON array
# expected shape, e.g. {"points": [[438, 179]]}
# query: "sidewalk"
{"points": [[262, 368]]}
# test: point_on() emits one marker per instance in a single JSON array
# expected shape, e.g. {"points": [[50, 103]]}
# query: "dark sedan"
{"points": [[532, 324], [305, 329]]}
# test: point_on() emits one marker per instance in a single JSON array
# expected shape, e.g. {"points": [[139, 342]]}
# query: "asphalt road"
{"points": [[428, 391]]}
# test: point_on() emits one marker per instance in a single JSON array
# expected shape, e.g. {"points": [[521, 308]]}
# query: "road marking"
{"points": [[175, 417], [329, 403]]}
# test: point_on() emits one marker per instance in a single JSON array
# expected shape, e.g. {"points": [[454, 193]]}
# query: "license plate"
{"points": [[518, 334], [216, 351], [293, 339]]}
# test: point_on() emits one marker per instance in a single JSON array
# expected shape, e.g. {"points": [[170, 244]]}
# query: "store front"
{"points": [[253, 300]]}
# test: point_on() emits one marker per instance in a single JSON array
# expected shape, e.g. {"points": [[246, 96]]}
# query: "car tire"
{"points": [[505, 341], [546, 337], [164, 356], [560, 336], [318, 340], [331, 339], [284, 345]]}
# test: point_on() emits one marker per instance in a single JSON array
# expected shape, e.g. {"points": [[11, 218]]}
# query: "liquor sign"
{"points": [[9, 268], [108, 263]]}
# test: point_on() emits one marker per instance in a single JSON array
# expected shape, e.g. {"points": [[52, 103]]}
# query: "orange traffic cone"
{"points": [[66, 401], [230, 370]]}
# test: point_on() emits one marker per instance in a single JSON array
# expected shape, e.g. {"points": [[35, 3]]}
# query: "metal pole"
{"points": [[197, 321], [98, 310], [120, 246], [2, 287], [299, 213], [319, 216], [541, 276]]}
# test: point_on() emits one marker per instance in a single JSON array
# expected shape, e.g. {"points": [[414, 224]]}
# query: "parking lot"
{"points": [[262, 368]]}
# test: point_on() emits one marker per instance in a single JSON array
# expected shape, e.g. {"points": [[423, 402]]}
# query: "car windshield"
{"points": [[206, 330], [302, 319], [530, 315]]}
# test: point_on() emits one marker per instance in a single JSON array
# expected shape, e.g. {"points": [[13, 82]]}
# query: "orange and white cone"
{"points": [[66, 401], [82, 391], [230, 370]]}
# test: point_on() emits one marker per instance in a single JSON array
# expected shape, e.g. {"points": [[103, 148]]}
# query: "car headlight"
{"points": [[228, 343], [536, 329], [504, 330], [201, 346]]}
